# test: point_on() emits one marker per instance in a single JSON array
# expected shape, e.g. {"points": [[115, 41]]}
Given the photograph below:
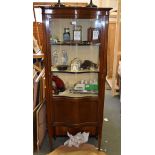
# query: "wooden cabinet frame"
{"points": [[76, 114]]}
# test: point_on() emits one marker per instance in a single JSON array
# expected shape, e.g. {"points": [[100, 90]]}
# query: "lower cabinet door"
{"points": [[75, 115]]}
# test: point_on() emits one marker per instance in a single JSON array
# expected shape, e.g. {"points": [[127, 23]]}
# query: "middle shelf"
{"points": [[54, 70]]}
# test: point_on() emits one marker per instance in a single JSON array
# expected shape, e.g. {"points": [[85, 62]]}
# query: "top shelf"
{"points": [[76, 44]]}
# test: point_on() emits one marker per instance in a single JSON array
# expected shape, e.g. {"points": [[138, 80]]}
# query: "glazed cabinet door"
{"points": [[75, 57]]}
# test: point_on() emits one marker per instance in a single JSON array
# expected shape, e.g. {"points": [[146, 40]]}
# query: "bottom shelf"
{"points": [[68, 93]]}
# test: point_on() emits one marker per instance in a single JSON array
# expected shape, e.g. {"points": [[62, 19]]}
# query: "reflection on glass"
{"points": [[75, 45]]}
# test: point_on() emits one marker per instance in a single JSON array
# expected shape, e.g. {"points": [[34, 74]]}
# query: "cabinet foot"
{"points": [[99, 137]]}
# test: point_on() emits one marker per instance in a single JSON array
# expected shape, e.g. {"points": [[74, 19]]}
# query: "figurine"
{"points": [[55, 58], [75, 65], [64, 58]]}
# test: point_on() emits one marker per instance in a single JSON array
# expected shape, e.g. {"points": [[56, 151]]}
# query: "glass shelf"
{"points": [[69, 71], [67, 93], [76, 44]]}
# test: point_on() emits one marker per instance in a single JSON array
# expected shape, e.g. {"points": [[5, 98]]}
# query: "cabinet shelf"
{"points": [[73, 72], [76, 44], [67, 93]]}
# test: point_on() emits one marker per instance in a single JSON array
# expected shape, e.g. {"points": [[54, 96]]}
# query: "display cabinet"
{"points": [[75, 47]]}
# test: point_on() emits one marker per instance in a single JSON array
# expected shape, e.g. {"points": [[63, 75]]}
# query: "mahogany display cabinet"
{"points": [[75, 48]]}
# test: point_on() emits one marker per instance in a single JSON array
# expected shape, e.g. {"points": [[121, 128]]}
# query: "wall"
{"points": [[109, 3]]}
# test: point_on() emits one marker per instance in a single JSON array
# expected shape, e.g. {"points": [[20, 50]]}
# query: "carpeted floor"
{"points": [[111, 136]]}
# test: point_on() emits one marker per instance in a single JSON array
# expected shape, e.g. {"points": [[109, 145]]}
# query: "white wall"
{"points": [[110, 3]]}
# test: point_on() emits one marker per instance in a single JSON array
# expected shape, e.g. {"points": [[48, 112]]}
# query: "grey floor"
{"points": [[111, 136]]}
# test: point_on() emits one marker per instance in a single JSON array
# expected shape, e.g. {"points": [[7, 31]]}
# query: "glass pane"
{"points": [[75, 56]]}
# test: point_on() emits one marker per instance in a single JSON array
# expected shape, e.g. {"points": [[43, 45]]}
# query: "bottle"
{"points": [[77, 33], [66, 35]]}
